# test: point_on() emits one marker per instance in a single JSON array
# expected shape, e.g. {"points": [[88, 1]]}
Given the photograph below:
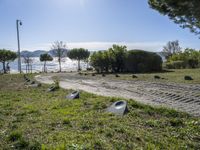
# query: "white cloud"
{"points": [[149, 46]]}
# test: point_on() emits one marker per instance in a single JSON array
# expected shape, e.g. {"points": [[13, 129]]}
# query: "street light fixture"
{"points": [[18, 22]]}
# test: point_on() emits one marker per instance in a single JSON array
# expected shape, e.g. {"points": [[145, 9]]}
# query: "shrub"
{"points": [[176, 65], [168, 65], [190, 58], [142, 61], [118, 59], [57, 86], [192, 63]]}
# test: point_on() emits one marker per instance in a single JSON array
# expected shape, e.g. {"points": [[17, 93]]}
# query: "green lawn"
{"points": [[173, 75], [31, 118]]}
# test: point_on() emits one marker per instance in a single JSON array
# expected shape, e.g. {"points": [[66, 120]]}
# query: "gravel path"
{"points": [[183, 97]]}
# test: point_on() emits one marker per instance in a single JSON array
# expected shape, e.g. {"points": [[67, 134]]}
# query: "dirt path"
{"points": [[183, 97]]}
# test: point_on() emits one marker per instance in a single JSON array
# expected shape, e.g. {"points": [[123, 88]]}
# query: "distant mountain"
{"points": [[53, 52], [37, 53]]}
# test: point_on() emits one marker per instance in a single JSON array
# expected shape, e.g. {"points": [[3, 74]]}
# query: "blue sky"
{"points": [[91, 24]]}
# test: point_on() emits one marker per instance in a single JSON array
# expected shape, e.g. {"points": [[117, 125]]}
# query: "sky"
{"points": [[91, 24]]}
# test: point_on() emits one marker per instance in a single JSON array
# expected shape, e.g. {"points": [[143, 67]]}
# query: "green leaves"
{"points": [[78, 54], [183, 12], [112, 59], [7, 55], [45, 57], [118, 59]]}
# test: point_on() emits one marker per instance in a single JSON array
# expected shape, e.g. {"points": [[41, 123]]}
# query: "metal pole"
{"points": [[19, 57]]}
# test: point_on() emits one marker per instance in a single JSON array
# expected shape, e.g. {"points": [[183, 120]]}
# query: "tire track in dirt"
{"points": [[183, 97]]}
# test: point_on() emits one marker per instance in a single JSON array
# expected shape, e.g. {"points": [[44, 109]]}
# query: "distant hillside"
{"points": [[53, 52], [37, 53]]}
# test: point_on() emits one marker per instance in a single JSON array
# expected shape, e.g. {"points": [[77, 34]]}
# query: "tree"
{"points": [[183, 12], [44, 58], [6, 56], [28, 61], [100, 61], [171, 48], [59, 51], [78, 54], [117, 57]]}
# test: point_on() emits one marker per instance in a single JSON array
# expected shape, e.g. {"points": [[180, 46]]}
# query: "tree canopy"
{"points": [[119, 59], [45, 57], [78, 54], [100, 60], [117, 55], [183, 12], [6, 56]]}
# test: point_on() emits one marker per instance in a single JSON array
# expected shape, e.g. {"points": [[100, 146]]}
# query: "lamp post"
{"points": [[18, 22]]}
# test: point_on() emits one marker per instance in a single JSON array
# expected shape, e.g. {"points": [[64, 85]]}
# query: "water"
{"points": [[37, 66]]}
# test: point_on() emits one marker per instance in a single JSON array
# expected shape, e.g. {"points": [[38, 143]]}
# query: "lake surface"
{"points": [[37, 66]]}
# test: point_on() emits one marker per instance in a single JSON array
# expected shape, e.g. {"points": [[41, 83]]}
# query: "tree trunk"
{"points": [[79, 67], [4, 67], [28, 68], [87, 63], [60, 65], [45, 66]]}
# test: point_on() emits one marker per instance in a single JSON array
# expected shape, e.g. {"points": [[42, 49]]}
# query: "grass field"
{"points": [[176, 76], [31, 118]]}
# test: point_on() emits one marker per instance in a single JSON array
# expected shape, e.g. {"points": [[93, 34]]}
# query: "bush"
{"points": [[192, 63], [176, 65], [190, 58], [57, 86], [168, 65], [142, 61], [118, 59]]}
